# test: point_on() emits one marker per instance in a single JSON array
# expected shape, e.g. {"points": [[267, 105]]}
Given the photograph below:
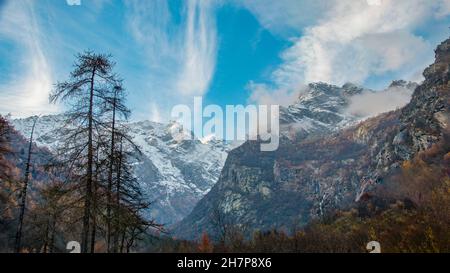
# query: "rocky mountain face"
{"points": [[177, 174], [174, 173], [319, 109], [322, 108], [310, 176]]}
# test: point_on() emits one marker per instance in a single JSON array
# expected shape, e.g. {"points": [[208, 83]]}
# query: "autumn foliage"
{"points": [[408, 213], [205, 245]]}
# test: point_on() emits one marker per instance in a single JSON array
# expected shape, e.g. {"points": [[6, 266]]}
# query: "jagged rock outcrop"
{"points": [[424, 119], [306, 178]]}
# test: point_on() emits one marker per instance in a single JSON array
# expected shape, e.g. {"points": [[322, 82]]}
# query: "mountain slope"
{"points": [[174, 174], [13, 163], [177, 174], [306, 178]]}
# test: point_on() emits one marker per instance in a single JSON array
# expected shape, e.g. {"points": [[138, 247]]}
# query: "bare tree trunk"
{"points": [[47, 229], [122, 242], [110, 174], [87, 201], [94, 201], [52, 234], [132, 238], [24, 191], [119, 169], [94, 218]]}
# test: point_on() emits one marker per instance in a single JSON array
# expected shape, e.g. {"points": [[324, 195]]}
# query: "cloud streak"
{"points": [[285, 17], [170, 51], [26, 92], [369, 103], [261, 94], [200, 48], [180, 52]]}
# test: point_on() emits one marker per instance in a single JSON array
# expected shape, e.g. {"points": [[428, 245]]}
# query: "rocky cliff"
{"points": [[308, 177], [177, 174]]}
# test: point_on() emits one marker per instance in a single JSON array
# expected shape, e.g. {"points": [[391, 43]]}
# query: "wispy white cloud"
{"points": [[357, 41], [371, 103], [261, 94], [26, 92], [285, 17], [200, 48], [353, 40], [171, 59], [73, 2], [180, 49]]}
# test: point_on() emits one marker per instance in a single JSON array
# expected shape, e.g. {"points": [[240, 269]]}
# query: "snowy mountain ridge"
{"points": [[176, 173]]}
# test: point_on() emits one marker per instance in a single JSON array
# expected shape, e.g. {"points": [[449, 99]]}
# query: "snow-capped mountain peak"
{"points": [[174, 172]]}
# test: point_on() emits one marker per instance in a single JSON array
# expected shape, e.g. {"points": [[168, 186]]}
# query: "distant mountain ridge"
{"points": [[311, 175], [323, 108], [174, 173], [177, 174]]}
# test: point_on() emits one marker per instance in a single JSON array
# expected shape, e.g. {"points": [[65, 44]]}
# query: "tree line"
{"points": [[408, 213], [90, 193]]}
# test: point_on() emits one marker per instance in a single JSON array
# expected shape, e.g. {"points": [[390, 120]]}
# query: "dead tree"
{"points": [[88, 92], [23, 193]]}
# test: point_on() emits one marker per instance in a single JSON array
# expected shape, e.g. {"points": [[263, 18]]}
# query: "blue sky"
{"points": [[229, 52]]}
